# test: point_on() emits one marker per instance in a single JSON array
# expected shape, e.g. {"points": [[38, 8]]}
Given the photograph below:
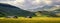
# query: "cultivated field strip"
{"points": [[30, 20]]}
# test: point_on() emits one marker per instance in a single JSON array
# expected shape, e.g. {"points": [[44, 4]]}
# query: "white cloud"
{"points": [[25, 4], [56, 2], [29, 4], [32, 4], [48, 2], [6, 0]]}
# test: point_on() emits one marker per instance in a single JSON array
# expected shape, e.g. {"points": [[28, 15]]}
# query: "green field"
{"points": [[30, 20]]}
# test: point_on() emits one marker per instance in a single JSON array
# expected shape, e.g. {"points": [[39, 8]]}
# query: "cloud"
{"points": [[56, 2], [26, 4], [31, 4], [6, 0]]}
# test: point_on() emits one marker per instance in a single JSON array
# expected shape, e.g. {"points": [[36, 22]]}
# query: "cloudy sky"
{"points": [[31, 4]]}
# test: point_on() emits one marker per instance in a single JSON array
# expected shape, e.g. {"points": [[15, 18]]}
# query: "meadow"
{"points": [[30, 20]]}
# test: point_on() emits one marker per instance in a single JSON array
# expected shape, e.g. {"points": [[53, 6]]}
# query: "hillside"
{"points": [[55, 13], [6, 9], [45, 8]]}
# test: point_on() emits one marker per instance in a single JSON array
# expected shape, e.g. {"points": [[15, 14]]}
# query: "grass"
{"points": [[30, 20]]}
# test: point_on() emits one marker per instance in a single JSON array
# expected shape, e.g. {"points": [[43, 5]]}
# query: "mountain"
{"points": [[54, 13], [45, 8], [7, 9], [48, 10]]}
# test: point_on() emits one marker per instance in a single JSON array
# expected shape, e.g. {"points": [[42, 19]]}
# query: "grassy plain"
{"points": [[30, 20]]}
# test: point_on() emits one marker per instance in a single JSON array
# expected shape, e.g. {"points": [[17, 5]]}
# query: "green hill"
{"points": [[6, 9]]}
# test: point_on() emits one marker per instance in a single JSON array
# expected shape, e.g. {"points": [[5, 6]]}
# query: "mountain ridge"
{"points": [[13, 10]]}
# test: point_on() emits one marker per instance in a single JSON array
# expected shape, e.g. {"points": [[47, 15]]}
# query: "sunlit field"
{"points": [[30, 20]]}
